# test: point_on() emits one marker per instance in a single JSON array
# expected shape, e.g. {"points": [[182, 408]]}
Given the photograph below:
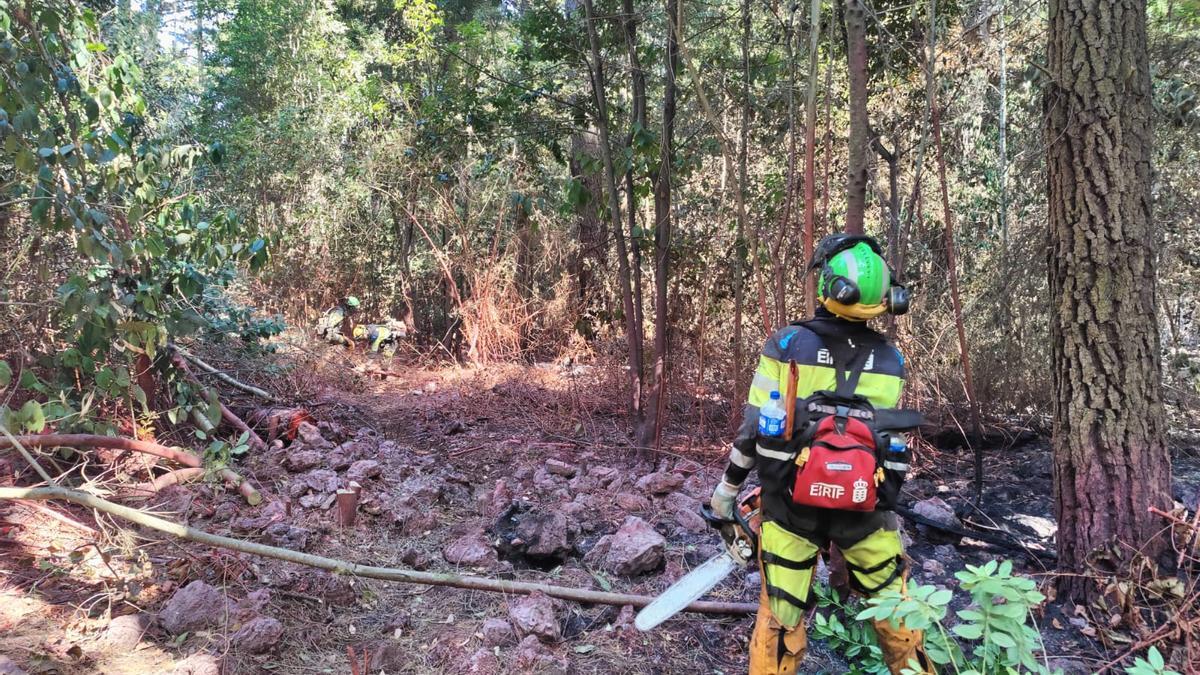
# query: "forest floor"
{"points": [[455, 464]]}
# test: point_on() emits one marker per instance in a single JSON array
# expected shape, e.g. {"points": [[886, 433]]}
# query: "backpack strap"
{"points": [[848, 361]]}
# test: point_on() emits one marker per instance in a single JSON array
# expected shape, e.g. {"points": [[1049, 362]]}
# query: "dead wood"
{"points": [[343, 567], [1010, 544], [223, 376], [226, 414], [178, 455]]}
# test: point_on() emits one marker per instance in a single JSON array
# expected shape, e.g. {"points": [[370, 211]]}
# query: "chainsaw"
{"points": [[740, 534]]}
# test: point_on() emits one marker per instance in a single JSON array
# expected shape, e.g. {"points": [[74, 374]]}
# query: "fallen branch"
{"points": [[222, 375], [342, 567], [226, 414], [994, 540], [176, 477], [178, 455], [13, 441], [1191, 531]]}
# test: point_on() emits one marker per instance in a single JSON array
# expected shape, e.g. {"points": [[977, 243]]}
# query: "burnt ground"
{"points": [[456, 464]]}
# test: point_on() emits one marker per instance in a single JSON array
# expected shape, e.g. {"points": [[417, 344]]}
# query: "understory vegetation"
{"points": [[622, 194]]}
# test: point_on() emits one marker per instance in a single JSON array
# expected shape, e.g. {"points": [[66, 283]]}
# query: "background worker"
{"points": [[336, 325], [847, 381]]}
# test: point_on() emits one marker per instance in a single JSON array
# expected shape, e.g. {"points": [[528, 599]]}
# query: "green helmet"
{"points": [[853, 279], [352, 302]]}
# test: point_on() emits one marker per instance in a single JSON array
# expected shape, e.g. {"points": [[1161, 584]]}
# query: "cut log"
{"points": [[347, 507]]}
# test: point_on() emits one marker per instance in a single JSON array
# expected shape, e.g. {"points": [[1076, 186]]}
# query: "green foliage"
{"points": [[855, 640], [995, 626], [146, 252], [1153, 664], [219, 454]]}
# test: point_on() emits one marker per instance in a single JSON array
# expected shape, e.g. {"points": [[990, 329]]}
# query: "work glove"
{"points": [[724, 500]]}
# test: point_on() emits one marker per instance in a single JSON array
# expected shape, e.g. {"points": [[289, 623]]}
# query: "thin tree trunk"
{"points": [[956, 301], [743, 173], [1110, 458], [778, 253], [827, 150], [859, 145], [914, 199], [631, 329], [1003, 132], [656, 401], [810, 154], [638, 120]]}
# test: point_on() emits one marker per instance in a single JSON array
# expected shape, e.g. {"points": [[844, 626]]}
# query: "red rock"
{"points": [[252, 605], [259, 635], [364, 469], [483, 662], [194, 606], [546, 534], [561, 468], [690, 521], [497, 632], [631, 502], [310, 436], [534, 615], [534, 657], [660, 483], [298, 461], [471, 549], [635, 548]]}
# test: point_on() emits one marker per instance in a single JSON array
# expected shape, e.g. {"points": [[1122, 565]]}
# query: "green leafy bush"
{"points": [[144, 257], [995, 628], [854, 640]]}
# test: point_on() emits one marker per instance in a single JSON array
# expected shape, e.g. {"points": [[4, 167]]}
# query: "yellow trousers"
{"points": [[787, 560]]}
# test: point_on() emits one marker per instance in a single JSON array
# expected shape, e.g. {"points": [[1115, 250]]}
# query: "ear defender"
{"points": [[840, 288], [898, 299]]}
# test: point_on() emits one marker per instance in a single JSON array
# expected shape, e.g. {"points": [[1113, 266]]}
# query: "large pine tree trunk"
{"points": [[1110, 459]]}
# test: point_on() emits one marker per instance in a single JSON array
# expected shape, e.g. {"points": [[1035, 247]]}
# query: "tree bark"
{"points": [[638, 119], [1110, 459], [610, 183], [859, 145], [656, 401], [810, 155]]}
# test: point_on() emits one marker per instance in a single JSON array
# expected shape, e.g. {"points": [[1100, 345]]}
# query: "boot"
{"points": [[775, 649], [901, 645]]}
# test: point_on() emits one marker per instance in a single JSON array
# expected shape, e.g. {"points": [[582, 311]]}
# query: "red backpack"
{"points": [[838, 466]]}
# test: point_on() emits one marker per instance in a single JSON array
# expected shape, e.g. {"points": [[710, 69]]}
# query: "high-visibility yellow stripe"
{"points": [[875, 549], [883, 391], [766, 379], [775, 539]]}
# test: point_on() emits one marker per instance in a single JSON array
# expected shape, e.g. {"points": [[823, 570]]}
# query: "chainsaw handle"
{"points": [[714, 521], [737, 526]]}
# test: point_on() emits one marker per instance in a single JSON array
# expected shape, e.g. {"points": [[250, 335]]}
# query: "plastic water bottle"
{"points": [[771, 417]]}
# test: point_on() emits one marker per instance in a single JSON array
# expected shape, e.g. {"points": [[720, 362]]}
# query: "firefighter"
{"points": [[336, 325], [383, 337], [854, 285]]}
